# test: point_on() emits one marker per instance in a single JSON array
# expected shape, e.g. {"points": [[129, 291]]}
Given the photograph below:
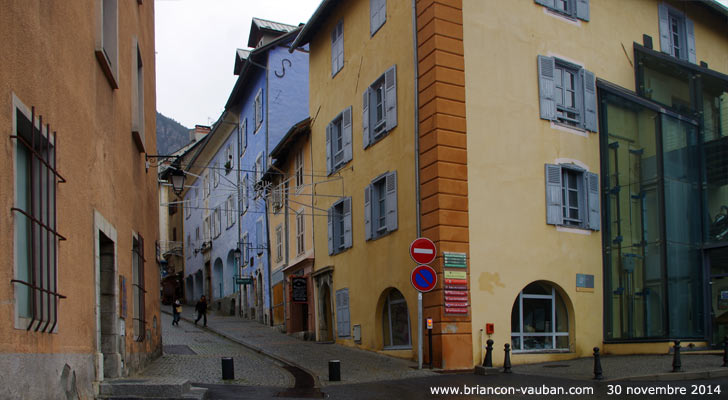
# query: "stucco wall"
{"points": [[509, 144], [52, 66], [371, 267]]}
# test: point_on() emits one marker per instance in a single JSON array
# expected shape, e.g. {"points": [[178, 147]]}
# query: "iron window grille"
{"points": [[38, 219]]}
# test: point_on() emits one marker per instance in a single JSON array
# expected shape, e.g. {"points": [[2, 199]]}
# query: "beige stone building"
{"points": [[78, 291]]}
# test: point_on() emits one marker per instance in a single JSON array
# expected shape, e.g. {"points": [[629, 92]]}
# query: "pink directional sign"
{"points": [[422, 251]]}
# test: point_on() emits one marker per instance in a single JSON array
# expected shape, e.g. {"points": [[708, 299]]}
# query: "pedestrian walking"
{"points": [[176, 311], [201, 308]]}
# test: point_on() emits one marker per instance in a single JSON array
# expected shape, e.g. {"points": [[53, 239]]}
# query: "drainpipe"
{"points": [[265, 201], [417, 172]]}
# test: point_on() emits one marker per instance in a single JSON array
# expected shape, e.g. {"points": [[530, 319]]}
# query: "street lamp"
{"points": [[177, 179]]}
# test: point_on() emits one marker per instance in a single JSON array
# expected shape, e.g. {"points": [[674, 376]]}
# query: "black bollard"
{"points": [[725, 351], [488, 362], [228, 368], [597, 365], [334, 370], [676, 363], [507, 361]]}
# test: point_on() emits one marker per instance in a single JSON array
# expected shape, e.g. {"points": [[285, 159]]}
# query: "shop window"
{"points": [[395, 321], [539, 320]]}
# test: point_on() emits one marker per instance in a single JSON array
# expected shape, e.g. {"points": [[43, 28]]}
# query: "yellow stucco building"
{"points": [[548, 148]]}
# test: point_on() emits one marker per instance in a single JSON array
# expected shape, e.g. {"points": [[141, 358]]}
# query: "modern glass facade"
{"points": [[665, 201]]}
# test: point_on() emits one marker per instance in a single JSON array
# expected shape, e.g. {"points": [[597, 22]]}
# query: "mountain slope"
{"points": [[171, 135]]}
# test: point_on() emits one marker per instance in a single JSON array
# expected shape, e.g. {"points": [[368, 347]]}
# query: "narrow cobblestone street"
{"points": [[195, 354]]}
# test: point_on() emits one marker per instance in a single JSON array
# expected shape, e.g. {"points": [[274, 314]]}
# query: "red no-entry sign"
{"points": [[424, 278], [423, 251]]}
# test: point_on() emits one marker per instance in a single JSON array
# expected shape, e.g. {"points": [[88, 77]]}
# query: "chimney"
{"points": [[199, 132]]}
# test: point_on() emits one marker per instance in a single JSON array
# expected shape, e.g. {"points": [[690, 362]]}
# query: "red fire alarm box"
{"points": [[489, 329]]}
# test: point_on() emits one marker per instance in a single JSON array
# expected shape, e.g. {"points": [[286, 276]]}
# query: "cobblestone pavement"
{"points": [[356, 365], [204, 365]]}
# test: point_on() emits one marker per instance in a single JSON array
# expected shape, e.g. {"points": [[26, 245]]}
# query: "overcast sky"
{"points": [[195, 44]]}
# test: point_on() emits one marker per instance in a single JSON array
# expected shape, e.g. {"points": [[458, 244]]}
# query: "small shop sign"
{"points": [[299, 292]]}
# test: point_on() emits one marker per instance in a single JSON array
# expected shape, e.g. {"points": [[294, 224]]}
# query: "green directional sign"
{"points": [[455, 260], [244, 281]]}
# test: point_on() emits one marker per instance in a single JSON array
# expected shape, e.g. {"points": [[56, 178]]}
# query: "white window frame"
{"points": [[107, 40], [279, 243], [300, 232], [230, 211], [258, 110], [553, 333]]}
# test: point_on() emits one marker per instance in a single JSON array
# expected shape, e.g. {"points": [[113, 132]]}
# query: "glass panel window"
{"points": [[378, 110], [533, 317], [567, 87], [395, 318]]}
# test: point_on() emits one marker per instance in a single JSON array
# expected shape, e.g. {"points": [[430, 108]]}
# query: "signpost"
{"points": [[422, 251], [424, 278], [244, 280]]}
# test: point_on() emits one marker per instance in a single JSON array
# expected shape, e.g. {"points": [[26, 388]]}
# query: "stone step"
{"points": [[159, 388]]}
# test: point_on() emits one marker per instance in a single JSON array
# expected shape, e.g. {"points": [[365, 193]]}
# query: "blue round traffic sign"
{"points": [[424, 278]]}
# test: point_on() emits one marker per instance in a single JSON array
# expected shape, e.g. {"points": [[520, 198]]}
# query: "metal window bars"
{"points": [[41, 215], [140, 316]]}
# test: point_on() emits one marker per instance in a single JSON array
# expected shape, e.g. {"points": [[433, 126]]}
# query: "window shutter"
{"points": [[546, 3], [331, 230], [342, 312], [554, 214], [582, 9], [373, 16], [334, 51], [390, 97], [245, 134], [328, 149], [347, 223], [365, 119], [594, 216], [346, 134], [590, 100], [546, 67], [664, 28], [340, 46], [391, 201], [259, 236], [690, 33], [367, 212]]}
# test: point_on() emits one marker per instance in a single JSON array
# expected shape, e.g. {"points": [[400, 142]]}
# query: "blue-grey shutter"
{"points": [[390, 97], [690, 33], [391, 200], [546, 87], [582, 9], [259, 235], [328, 149], [553, 195], [346, 134], [594, 215], [334, 51], [347, 223], [342, 313], [340, 45], [547, 3], [365, 119], [665, 41], [367, 212], [245, 133], [377, 15], [331, 230], [590, 100]]}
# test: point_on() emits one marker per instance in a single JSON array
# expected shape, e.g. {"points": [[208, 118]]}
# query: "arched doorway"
{"points": [[395, 321], [198, 286], [190, 289], [217, 281], [326, 328], [540, 319], [230, 272]]}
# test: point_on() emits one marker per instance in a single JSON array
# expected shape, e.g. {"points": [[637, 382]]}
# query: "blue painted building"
{"points": [[270, 95], [210, 217]]}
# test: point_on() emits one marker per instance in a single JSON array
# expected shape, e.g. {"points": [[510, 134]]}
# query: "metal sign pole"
{"points": [[419, 330]]}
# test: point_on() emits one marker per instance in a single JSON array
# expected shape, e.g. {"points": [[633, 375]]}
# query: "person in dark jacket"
{"points": [[201, 308], [176, 311]]}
